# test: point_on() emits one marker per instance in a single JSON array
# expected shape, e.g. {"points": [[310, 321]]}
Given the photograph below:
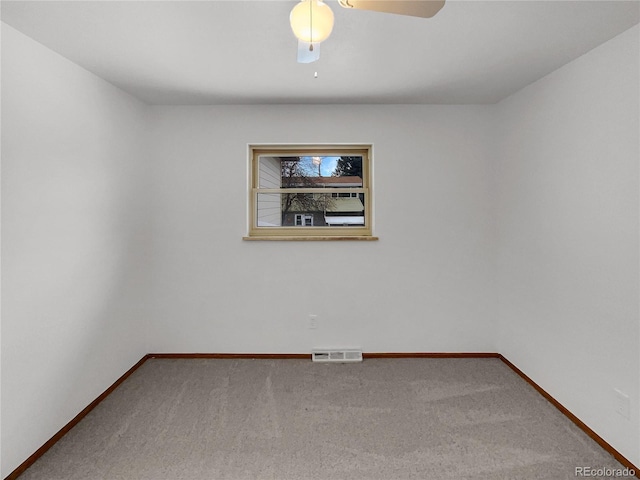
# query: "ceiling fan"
{"points": [[312, 20]]}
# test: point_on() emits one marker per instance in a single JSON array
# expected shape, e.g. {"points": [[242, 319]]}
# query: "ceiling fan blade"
{"points": [[413, 8], [308, 52]]}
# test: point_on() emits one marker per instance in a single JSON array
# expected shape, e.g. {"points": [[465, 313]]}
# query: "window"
{"points": [[304, 220], [310, 192], [344, 195]]}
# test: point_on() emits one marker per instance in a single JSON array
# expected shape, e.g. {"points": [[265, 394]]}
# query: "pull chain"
{"points": [[311, 25]]}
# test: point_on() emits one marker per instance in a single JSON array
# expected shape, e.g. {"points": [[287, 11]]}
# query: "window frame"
{"points": [[363, 232]]}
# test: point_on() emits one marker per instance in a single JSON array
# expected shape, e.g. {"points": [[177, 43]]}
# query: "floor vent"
{"points": [[336, 355]]}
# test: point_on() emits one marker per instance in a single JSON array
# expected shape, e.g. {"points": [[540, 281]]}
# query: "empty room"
{"points": [[295, 240]]}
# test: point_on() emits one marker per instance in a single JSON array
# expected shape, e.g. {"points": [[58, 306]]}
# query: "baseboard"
{"points": [[263, 356], [579, 423], [305, 356], [63, 431], [432, 355]]}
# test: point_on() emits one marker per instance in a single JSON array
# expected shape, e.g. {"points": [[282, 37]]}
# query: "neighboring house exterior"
{"points": [[339, 209], [270, 207]]}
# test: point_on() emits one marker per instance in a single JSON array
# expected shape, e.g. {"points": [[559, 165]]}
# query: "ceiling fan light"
{"points": [[311, 21]]}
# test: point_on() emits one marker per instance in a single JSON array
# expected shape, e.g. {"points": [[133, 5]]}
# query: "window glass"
{"points": [[300, 191]]}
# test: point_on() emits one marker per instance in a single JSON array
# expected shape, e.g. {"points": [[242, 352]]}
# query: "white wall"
{"points": [[73, 248], [567, 203], [426, 285]]}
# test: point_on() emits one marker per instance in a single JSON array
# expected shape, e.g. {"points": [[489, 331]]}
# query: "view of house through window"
{"points": [[310, 191]]}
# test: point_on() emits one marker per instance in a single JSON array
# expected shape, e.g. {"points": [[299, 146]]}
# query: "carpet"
{"points": [[386, 419]]}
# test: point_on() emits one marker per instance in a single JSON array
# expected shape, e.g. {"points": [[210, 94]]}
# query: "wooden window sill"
{"points": [[310, 238]]}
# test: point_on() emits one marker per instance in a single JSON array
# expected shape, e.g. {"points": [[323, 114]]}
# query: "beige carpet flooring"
{"points": [[382, 419]]}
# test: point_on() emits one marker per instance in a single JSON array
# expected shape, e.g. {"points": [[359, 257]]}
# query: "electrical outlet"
{"points": [[622, 403], [313, 322]]}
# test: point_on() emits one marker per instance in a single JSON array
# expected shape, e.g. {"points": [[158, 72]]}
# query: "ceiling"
{"points": [[243, 52]]}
